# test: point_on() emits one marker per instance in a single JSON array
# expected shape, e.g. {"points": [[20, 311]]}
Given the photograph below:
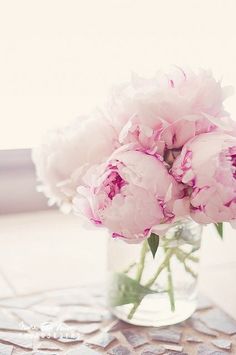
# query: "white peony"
{"points": [[66, 155]]}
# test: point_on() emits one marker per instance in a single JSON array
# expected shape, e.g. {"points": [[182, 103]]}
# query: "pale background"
{"points": [[59, 57]]}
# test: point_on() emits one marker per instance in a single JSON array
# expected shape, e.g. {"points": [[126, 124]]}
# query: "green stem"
{"points": [[170, 287], [141, 263], [169, 253], [190, 271], [193, 258], [182, 258], [187, 268], [169, 250], [189, 256], [163, 265], [139, 274], [129, 268], [133, 310]]}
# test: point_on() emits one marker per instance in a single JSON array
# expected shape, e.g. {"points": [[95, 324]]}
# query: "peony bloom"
{"points": [[67, 154], [168, 110], [207, 164], [132, 193]]}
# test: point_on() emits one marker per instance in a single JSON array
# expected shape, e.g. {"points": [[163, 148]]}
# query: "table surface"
{"points": [[47, 251], [75, 321]]}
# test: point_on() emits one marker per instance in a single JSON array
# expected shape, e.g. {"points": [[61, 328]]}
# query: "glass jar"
{"points": [[155, 291]]}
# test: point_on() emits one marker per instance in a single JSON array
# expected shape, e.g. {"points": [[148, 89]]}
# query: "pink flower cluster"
{"points": [[162, 150]]}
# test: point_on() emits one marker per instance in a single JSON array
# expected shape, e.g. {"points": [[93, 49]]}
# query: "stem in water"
{"points": [[141, 263], [170, 287]]}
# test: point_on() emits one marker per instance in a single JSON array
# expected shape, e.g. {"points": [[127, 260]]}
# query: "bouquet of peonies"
{"points": [[162, 149]]}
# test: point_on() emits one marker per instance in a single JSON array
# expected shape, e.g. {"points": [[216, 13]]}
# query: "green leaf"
{"points": [[125, 290], [219, 227], [153, 242]]}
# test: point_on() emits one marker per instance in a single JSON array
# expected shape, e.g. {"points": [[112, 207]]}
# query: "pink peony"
{"points": [[68, 153], [132, 193], [168, 110], [207, 164]]}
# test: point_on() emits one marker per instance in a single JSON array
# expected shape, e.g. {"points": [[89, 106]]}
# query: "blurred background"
{"points": [[58, 59]]}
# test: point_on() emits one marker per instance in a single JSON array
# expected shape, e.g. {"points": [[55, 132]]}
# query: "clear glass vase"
{"points": [[156, 291]]}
